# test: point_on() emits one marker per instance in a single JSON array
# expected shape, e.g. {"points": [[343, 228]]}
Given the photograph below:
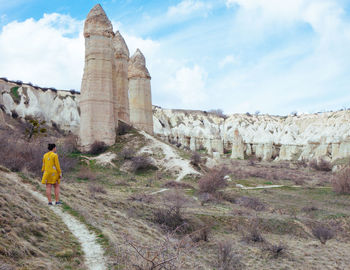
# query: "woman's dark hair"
{"points": [[51, 146]]}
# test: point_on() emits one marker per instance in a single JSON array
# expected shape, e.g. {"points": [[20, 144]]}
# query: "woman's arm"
{"points": [[57, 165], [43, 167]]}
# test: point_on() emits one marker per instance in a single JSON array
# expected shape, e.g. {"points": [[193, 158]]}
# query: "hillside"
{"points": [[146, 204]]}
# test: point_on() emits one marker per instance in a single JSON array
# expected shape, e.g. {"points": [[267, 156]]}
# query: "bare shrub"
{"points": [[213, 180], [98, 148], [171, 216], [141, 197], [166, 254], [341, 181], [86, 174], [252, 203], [323, 232], [308, 209], [195, 159], [275, 250], [218, 112], [127, 153], [93, 189], [201, 234], [175, 184], [253, 233], [142, 163], [123, 128], [321, 165], [227, 259]]}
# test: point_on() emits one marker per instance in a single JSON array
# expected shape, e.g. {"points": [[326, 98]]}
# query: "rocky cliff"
{"points": [[58, 108], [309, 136]]}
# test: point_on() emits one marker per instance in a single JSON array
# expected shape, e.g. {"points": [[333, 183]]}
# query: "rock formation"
{"points": [[309, 136], [237, 146], [98, 121], [2, 119], [121, 83], [140, 93]]}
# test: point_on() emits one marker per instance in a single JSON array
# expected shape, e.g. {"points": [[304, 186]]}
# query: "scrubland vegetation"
{"points": [[201, 222]]}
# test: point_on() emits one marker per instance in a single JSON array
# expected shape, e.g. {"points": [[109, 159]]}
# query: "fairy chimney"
{"points": [[140, 93], [120, 78], [237, 146], [96, 103]]}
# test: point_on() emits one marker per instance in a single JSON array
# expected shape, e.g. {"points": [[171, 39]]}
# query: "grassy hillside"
{"points": [[144, 218]]}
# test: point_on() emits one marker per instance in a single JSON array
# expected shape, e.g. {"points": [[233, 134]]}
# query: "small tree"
{"points": [[213, 180], [341, 181], [34, 127]]}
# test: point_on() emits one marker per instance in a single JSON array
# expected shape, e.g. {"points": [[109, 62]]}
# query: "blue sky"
{"points": [[241, 56]]}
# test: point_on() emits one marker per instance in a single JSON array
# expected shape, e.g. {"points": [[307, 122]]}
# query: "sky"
{"points": [[271, 56]]}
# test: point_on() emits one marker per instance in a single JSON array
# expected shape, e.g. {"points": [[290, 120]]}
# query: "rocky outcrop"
{"points": [[98, 120], [309, 136], [121, 83], [140, 93], [2, 118], [237, 146], [57, 108]]}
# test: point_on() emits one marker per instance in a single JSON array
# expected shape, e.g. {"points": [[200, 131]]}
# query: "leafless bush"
{"points": [[175, 184], [218, 112], [321, 165], [86, 174], [206, 198], [309, 208], [141, 197], [167, 254], [195, 159], [171, 216], [275, 250], [98, 148], [323, 232], [201, 234], [142, 163], [227, 259], [127, 153], [93, 188], [213, 180], [341, 181], [123, 128], [252, 203], [253, 233]]}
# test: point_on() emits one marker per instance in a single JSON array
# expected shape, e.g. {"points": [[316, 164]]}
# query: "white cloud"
{"points": [[188, 7], [188, 86], [228, 59], [42, 52]]}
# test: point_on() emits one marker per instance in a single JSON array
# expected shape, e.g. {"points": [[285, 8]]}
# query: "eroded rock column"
{"points": [[96, 103], [237, 146], [140, 93], [121, 82]]}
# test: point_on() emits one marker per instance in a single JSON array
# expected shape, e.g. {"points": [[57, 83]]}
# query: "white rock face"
{"points": [[57, 108], [2, 119], [140, 93], [311, 136], [97, 103]]}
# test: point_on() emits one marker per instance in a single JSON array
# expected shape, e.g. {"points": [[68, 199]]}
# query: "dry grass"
{"points": [[30, 238]]}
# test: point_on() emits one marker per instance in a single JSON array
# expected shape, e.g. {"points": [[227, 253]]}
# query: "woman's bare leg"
{"points": [[48, 192], [57, 192]]}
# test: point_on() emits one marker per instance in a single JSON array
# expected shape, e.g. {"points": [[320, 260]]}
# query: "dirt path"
{"points": [[172, 161], [94, 259]]}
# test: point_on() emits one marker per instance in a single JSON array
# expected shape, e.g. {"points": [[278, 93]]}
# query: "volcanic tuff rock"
{"points": [[140, 93], [57, 108], [121, 83], [309, 136], [98, 120]]}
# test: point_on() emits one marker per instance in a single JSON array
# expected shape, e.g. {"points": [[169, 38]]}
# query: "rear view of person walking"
{"points": [[52, 173]]}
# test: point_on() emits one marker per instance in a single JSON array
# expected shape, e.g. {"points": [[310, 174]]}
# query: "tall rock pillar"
{"points": [[120, 77], [96, 103], [140, 93]]}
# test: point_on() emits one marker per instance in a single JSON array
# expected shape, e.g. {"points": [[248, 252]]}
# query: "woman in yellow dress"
{"points": [[52, 173]]}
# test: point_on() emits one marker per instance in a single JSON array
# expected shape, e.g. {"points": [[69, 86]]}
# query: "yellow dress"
{"points": [[51, 169]]}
